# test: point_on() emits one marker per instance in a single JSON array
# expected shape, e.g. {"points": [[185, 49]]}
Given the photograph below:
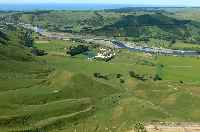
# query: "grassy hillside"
{"points": [[37, 96], [188, 14], [60, 93], [139, 23], [147, 101], [68, 20], [152, 26]]}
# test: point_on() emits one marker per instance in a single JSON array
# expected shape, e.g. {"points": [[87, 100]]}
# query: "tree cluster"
{"points": [[26, 37], [77, 50], [137, 76]]}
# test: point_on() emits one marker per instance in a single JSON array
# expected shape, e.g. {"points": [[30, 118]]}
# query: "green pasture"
{"points": [[60, 93]]}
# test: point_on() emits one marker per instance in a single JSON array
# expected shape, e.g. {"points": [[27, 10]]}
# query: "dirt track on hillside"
{"points": [[180, 127], [176, 128]]}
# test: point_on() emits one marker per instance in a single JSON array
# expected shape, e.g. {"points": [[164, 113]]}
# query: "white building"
{"points": [[105, 53]]}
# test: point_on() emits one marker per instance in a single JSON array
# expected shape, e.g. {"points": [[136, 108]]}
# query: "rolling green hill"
{"points": [[67, 21], [36, 96], [152, 26], [157, 24], [60, 93]]}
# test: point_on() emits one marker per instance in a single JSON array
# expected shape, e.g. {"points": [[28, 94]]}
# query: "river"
{"points": [[155, 50]]}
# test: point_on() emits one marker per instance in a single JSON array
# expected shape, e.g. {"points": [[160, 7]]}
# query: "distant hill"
{"points": [[152, 26], [67, 21], [135, 9], [141, 23], [148, 8]]}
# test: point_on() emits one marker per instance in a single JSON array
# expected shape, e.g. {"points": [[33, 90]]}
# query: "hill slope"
{"points": [[68, 20], [61, 93], [11, 47], [152, 26], [38, 97]]}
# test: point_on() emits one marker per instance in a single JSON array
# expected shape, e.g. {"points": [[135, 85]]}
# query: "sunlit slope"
{"points": [[60, 93], [36, 96], [47, 98], [148, 101]]}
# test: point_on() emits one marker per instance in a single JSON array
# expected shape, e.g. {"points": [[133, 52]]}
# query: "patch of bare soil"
{"points": [[178, 127]]}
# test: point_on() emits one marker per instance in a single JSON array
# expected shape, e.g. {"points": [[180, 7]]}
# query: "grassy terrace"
{"points": [[60, 93]]}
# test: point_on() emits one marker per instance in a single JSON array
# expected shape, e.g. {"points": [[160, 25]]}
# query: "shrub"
{"points": [[122, 81], [77, 50], [98, 75], [38, 52], [137, 76], [157, 77], [119, 75], [132, 74], [139, 127]]}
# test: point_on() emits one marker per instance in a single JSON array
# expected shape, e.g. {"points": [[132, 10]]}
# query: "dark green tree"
{"points": [[77, 50], [172, 42], [157, 77], [26, 37]]}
